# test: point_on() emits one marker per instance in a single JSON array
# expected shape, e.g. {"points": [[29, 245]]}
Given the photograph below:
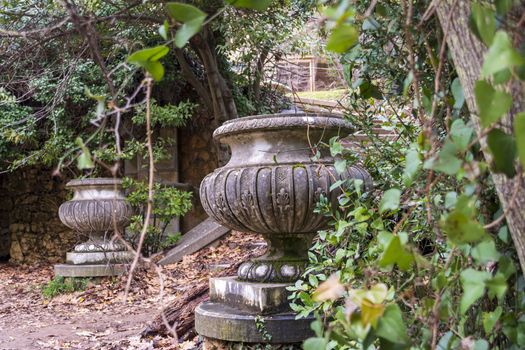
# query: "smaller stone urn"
{"points": [[98, 208]]}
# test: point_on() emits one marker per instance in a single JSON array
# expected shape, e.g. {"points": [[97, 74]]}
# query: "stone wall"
{"points": [[30, 230], [197, 158]]}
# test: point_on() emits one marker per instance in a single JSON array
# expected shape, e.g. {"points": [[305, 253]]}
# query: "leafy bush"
{"points": [[62, 285], [424, 261], [168, 203]]}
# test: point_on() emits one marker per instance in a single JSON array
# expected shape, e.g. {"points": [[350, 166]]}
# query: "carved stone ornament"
{"points": [[271, 186], [98, 208]]}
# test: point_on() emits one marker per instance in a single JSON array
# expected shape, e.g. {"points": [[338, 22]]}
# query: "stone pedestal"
{"points": [[271, 185], [98, 207], [250, 313], [95, 258]]}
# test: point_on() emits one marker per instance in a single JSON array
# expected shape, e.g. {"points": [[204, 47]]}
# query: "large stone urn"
{"points": [[270, 186], [97, 208]]}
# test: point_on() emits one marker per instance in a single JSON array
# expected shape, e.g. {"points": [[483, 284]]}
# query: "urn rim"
{"points": [[94, 181], [283, 121]]}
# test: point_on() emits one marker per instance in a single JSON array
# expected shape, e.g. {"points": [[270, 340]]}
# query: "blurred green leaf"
{"points": [[391, 326], [163, 30], [503, 149], [501, 55], [412, 165], [191, 18], [485, 251], [84, 160], [396, 253], [460, 225], [497, 286], [457, 92], [519, 134], [342, 38], [492, 104], [150, 54], [259, 5], [483, 22], [390, 200], [490, 319], [473, 283], [503, 6], [461, 134]]}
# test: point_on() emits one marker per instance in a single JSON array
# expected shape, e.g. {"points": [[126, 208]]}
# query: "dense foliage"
{"points": [[430, 265]]}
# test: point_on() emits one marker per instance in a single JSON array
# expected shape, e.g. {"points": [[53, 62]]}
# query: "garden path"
{"points": [[97, 317]]}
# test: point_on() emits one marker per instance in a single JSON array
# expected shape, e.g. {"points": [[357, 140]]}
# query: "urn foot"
{"points": [[284, 262]]}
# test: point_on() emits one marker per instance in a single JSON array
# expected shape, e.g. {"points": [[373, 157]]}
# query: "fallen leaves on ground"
{"points": [[99, 317]]}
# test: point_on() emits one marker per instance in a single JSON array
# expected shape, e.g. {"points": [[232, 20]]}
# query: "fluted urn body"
{"points": [[98, 207], [272, 184]]}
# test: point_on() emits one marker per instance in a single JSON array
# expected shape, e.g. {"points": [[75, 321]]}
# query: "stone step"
{"points": [[194, 240], [67, 270], [260, 298]]}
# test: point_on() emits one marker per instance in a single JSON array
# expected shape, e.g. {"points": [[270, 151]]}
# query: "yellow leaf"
{"points": [[370, 312]]}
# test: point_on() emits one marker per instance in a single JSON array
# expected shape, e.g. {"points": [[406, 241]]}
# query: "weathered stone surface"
{"points": [[259, 298], [271, 186], [218, 321], [197, 238], [101, 258], [67, 270], [97, 208]]}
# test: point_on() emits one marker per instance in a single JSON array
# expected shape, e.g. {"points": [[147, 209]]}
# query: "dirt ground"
{"points": [[98, 317]]}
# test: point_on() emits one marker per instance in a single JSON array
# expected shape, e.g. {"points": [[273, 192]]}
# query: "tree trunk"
{"points": [[467, 53]]}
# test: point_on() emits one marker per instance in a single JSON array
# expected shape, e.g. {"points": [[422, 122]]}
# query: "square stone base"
{"points": [[68, 270], [250, 312], [260, 298]]}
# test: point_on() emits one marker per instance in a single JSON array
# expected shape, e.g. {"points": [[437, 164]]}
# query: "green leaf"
{"points": [[490, 319], [84, 160], [340, 166], [391, 326], [191, 18], [473, 283], [503, 148], [184, 13], [506, 267], [187, 31], [390, 200], [497, 286], [447, 162], [483, 18], [503, 6], [485, 251], [396, 253], [342, 38], [481, 344], [259, 5], [163, 30], [460, 225], [155, 68], [519, 134], [315, 344], [412, 165], [457, 92], [492, 104], [451, 199], [461, 134], [148, 55], [501, 55]]}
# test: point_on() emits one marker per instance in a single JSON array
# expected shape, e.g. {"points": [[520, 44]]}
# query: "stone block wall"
{"points": [[197, 158], [30, 230]]}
